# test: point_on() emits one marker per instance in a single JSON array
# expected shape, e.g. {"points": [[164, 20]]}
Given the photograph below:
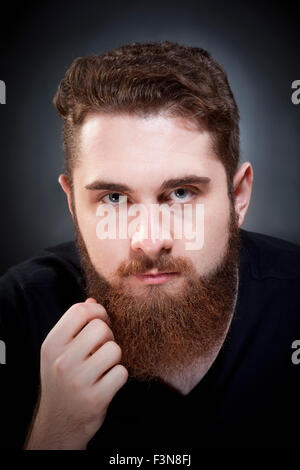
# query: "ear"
{"points": [[242, 183], [66, 186]]}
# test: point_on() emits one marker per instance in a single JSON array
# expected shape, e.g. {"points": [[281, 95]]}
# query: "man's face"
{"points": [[143, 154], [167, 322]]}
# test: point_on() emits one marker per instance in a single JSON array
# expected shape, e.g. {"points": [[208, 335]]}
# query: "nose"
{"points": [[151, 238], [151, 248]]}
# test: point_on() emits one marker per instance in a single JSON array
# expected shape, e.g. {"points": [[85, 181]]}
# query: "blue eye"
{"points": [[114, 198], [181, 193]]}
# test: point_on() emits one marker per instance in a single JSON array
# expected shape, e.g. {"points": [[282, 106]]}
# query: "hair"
{"points": [[150, 78]]}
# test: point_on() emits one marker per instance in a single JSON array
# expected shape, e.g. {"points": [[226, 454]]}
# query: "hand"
{"points": [[80, 374]]}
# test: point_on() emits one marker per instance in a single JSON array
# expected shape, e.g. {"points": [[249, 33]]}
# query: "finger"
{"points": [[89, 340], [110, 383], [69, 325], [92, 300], [100, 362]]}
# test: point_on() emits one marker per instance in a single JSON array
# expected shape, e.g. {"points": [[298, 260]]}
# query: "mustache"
{"points": [[165, 263]]}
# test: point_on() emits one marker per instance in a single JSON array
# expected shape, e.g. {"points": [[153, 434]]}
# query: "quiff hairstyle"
{"points": [[150, 78]]}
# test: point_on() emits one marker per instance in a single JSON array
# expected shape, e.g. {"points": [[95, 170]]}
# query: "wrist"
{"points": [[44, 437]]}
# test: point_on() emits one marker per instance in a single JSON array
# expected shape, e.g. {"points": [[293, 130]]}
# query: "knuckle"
{"points": [[122, 372], [59, 366], [79, 309], [97, 323], [101, 328], [114, 349], [103, 314], [45, 350], [82, 309], [97, 327], [101, 309]]}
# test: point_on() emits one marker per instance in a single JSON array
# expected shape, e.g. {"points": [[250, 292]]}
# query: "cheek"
{"points": [[216, 232], [105, 254]]}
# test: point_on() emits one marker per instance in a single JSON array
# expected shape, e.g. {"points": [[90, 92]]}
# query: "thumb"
{"points": [[91, 300]]}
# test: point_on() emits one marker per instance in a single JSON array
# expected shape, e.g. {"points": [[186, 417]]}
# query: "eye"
{"points": [[181, 194], [114, 198]]}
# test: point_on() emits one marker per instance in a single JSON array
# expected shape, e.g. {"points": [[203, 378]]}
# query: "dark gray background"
{"points": [[258, 45]]}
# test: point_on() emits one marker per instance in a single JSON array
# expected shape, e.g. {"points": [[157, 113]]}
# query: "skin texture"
{"points": [[141, 153], [125, 149], [80, 375]]}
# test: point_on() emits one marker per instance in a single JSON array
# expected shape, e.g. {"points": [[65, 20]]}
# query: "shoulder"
{"points": [[271, 257], [44, 285], [49, 263], [270, 285]]}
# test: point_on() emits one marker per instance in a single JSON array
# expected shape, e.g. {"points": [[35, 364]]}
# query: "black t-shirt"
{"points": [[250, 396]]}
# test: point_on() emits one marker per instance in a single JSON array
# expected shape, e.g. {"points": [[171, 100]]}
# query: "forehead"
{"points": [[129, 147]]}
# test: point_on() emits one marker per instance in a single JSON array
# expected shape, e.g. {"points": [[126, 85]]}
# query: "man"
{"points": [[135, 336]]}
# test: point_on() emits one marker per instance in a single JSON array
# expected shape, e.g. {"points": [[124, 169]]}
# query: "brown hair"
{"points": [[147, 78]]}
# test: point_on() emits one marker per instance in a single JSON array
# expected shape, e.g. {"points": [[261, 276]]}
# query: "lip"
{"points": [[155, 277]]}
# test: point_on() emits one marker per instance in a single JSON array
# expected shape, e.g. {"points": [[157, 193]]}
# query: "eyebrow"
{"points": [[167, 184]]}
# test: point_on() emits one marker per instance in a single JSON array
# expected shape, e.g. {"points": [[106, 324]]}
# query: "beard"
{"points": [[162, 331]]}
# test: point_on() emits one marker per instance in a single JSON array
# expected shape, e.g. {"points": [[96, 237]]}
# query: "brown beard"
{"points": [[161, 332]]}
